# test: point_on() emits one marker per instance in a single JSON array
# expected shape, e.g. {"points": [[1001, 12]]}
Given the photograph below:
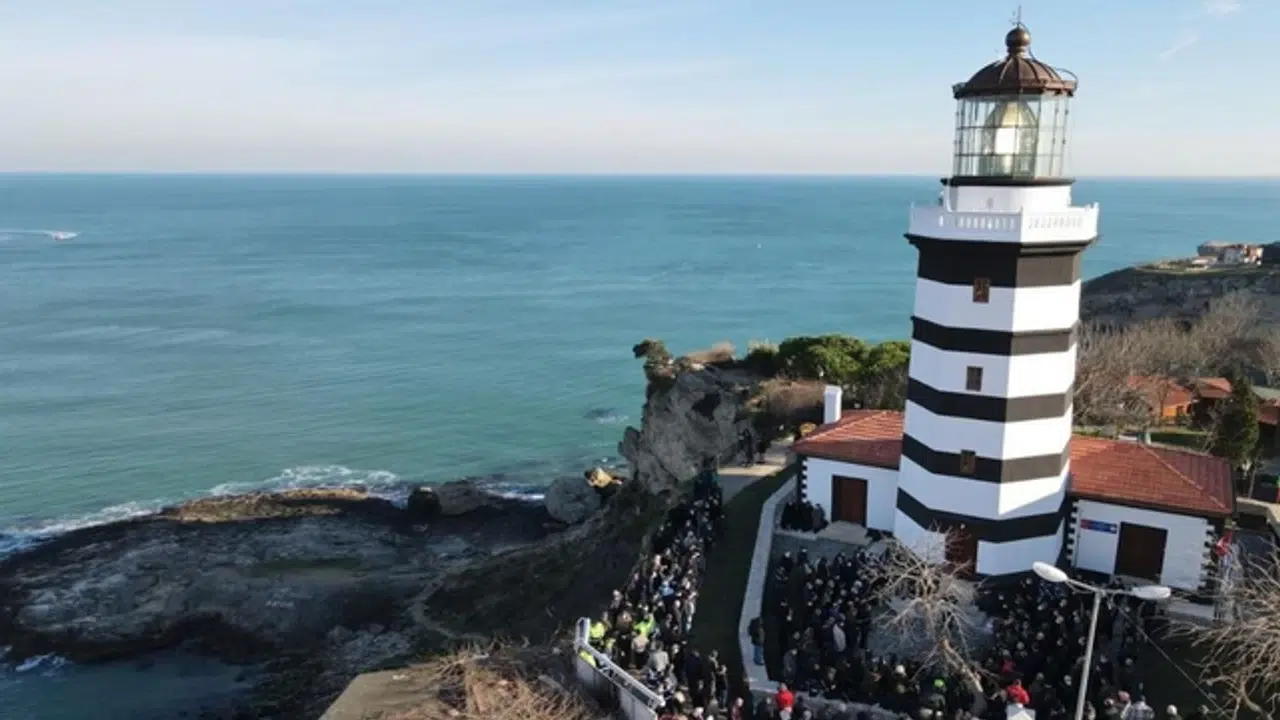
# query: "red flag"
{"points": [[1224, 543]]}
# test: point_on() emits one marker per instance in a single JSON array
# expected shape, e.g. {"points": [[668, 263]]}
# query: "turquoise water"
{"points": [[205, 334]]}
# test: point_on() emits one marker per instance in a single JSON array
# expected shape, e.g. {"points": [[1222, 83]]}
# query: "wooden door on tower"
{"points": [[1140, 551], [849, 499], [962, 549]]}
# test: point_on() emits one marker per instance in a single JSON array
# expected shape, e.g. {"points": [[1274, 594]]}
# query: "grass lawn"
{"points": [[715, 627]]}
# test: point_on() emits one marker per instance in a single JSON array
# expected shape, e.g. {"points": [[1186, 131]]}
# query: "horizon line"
{"points": [[574, 175]]}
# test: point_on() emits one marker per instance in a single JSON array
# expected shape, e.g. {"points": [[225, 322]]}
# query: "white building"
{"points": [[984, 454]]}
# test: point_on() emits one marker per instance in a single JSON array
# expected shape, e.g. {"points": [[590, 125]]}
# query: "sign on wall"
{"points": [[1098, 526]]}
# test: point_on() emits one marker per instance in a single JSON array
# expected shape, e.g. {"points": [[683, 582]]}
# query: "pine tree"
{"points": [[1236, 433]]}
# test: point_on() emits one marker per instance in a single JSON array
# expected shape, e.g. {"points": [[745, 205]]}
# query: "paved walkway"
{"points": [[733, 478]]}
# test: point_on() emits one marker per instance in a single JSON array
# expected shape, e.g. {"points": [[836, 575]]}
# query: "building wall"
{"points": [[1005, 558], [987, 438], [1006, 376], [976, 498], [1185, 555], [882, 489], [1026, 309], [972, 198]]}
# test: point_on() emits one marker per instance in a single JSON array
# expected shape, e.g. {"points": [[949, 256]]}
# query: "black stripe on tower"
{"points": [[995, 531], [986, 469], [1007, 265], [991, 342], [987, 407]]}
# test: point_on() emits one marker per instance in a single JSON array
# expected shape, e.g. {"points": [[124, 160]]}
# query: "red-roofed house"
{"points": [[1132, 509], [1168, 400]]}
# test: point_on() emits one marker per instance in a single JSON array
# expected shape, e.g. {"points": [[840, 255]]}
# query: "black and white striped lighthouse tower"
{"points": [[985, 450]]}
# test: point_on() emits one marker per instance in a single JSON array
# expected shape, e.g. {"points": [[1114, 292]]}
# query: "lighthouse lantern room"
{"points": [[984, 468]]}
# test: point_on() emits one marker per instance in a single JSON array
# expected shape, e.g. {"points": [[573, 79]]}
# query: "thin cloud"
{"points": [[1190, 34], [1219, 8], [1186, 39]]}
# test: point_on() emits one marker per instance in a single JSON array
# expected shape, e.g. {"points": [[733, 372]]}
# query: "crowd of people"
{"points": [[647, 628], [819, 620], [818, 623], [803, 516]]}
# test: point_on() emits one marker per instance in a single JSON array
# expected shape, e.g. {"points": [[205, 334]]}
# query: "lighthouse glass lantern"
{"points": [[1011, 118]]}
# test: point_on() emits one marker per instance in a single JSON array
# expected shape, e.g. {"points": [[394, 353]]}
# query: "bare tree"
{"points": [[1241, 650], [1126, 375], [1105, 360], [931, 611]]}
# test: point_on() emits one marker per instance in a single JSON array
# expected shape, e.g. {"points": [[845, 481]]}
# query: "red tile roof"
{"points": [[1101, 469], [866, 437], [1213, 388], [1156, 390], [1119, 471]]}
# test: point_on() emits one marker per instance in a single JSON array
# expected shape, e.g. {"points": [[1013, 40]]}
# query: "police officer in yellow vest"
{"points": [[595, 635]]}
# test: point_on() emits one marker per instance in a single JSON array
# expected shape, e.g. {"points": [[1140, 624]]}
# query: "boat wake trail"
{"points": [[54, 235]]}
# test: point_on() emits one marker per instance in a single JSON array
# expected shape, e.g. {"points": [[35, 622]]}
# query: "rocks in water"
{"points": [[451, 499], [461, 497], [572, 500], [423, 505]]}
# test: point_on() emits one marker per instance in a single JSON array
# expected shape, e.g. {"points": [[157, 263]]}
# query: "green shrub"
{"points": [[762, 359], [835, 359]]}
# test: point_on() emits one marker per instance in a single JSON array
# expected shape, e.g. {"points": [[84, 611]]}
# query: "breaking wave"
{"points": [[378, 483]]}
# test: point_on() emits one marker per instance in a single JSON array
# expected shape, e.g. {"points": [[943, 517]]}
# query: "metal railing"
{"points": [[1026, 226], [634, 698]]}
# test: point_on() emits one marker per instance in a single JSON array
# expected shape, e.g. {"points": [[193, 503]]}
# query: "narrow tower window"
{"points": [[982, 290], [973, 379], [968, 462]]}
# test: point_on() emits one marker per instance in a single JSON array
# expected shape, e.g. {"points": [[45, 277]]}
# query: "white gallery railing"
{"points": [[1024, 227]]}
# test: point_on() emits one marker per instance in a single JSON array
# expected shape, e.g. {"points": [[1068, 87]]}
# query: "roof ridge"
{"points": [[833, 426], [1202, 489]]}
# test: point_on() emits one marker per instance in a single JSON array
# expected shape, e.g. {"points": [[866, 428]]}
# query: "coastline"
{"points": [[248, 582]]}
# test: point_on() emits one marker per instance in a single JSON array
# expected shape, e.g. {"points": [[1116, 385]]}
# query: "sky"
{"points": [[1167, 87]]}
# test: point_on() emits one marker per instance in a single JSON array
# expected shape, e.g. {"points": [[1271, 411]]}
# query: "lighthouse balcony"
{"points": [[1027, 227]]}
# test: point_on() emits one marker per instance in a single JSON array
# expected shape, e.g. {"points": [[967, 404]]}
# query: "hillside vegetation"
{"points": [[790, 376]]}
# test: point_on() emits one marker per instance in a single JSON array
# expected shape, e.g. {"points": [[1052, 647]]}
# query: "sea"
{"points": [[166, 337]]}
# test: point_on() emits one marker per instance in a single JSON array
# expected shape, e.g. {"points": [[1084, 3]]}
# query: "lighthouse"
{"points": [[985, 461]]}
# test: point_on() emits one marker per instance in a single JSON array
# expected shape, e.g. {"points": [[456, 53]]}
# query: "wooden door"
{"points": [[849, 499], [962, 549], [1140, 552]]}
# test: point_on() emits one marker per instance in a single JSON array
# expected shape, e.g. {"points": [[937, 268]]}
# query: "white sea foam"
{"points": [[13, 539], [50, 664], [57, 235], [378, 483], [611, 419]]}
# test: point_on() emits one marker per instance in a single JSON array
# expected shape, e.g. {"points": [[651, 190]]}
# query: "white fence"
{"points": [[603, 678]]}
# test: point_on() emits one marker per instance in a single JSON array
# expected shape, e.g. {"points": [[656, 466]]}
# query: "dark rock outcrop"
{"points": [[243, 577], [699, 414], [572, 500]]}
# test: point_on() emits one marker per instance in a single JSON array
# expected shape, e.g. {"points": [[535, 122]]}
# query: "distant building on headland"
{"points": [[1225, 253]]}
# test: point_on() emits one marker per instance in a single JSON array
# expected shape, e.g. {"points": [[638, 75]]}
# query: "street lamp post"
{"points": [[1054, 574]]}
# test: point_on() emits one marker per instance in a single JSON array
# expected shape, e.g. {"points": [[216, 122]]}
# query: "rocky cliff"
{"points": [[1146, 292], [698, 414]]}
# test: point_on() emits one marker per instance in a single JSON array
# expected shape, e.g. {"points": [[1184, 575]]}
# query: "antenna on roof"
{"points": [[1017, 17]]}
